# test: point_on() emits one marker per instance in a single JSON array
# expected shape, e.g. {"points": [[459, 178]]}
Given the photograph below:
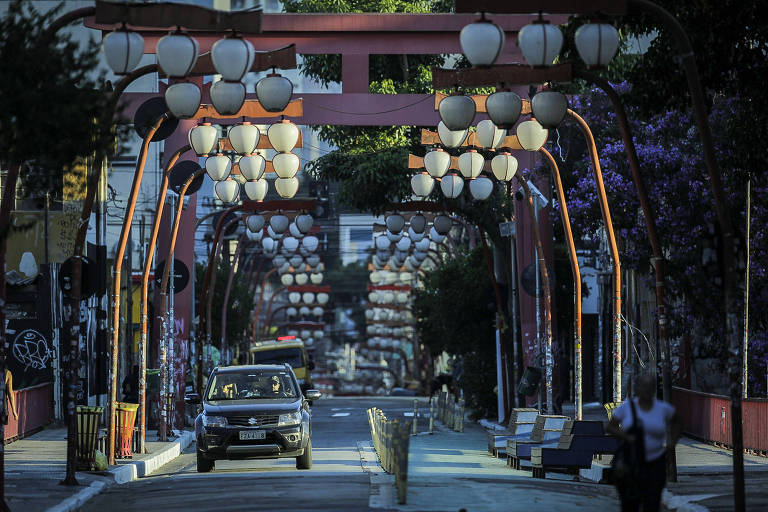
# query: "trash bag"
{"points": [[101, 463]]}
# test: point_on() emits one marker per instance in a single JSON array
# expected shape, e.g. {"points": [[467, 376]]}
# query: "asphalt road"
{"points": [[336, 481]]}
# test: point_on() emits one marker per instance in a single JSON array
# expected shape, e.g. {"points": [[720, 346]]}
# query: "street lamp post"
{"points": [[116, 273], [144, 294], [166, 345]]}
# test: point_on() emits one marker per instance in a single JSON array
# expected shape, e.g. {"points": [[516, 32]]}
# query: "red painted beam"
{"points": [[347, 109], [369, 33]]}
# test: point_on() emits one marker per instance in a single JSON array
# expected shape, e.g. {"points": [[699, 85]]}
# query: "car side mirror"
{"points": [[192, 398], [312, 394]]}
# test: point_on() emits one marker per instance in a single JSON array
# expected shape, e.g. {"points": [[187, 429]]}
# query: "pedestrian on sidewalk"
{"points": [[643, 422]]}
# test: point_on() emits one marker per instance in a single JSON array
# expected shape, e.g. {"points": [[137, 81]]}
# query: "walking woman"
{"points": [[643, 422]]}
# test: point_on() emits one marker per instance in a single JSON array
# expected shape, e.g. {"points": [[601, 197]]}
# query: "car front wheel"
{"points": [[204, 465], [304, 461]]}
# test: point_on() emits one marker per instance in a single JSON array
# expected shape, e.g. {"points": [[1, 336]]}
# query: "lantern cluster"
{"points": [[177, 55], [244, 138], [290, 246], [399, 247]]}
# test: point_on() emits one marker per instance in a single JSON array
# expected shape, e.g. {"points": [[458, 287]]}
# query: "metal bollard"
{"points": [[431, 415], [415, 416], [460, 418]]}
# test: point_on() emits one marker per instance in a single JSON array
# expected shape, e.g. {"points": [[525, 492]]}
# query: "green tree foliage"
{"points": [[240, 304], [374, 157], [50, 99], [455, 313]]}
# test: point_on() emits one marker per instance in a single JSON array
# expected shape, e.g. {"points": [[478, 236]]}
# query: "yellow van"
{"points": [[285, 349]]}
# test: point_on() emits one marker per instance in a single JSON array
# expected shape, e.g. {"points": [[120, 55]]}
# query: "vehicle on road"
{"points": [[286, 349], [253, 412]]}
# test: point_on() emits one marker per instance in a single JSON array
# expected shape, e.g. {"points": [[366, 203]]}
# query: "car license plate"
{"points": [[252, 434]]}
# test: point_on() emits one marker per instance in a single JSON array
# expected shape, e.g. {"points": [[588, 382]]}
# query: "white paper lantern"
{"points": [[457, 111], [540, 43], [470, 164], [418, 223], [504, 166], [256, 190], [244, 138], [393, 237], [308, 297], [549, 108], [481, 188], [302, 279], [382, 242], [232, 57], [422, 184], [481, 42], [318, 311], [304, 222], [442, 224], [504, 108], [316, 277], [123, 50], [274, 92], [489, 135], [395, 222], [452, 185], [404, 244], [286, 165], [227, 191], [177, 54], [437, 162], [296, 261], [290, 245], [531, 135], [286, 279], [255, 222], [218, 167], [310, 242], [294, 297], [203, 138], [252, 167], [414, 236], [597, 43], [287, 187], [451, 138], [291, 312], [227, 97], [283, 136], [313, 260], [279, 223], [183, 99], [322, 298], [254, 237]]}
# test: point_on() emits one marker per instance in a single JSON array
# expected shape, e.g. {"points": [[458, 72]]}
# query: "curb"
{"points": [[127, 472], [136, 469], [79, 499]]}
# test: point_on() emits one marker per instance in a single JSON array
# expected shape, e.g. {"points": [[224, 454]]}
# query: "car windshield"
{"points": [[292, 356], [250, 385]]}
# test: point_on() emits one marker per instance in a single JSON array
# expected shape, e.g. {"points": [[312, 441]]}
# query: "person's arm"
{"points": [[676, 427], [614, 428], [11, 394]]}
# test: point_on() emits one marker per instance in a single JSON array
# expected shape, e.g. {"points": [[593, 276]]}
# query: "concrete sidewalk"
{"points": [[35, 465], [448, 471]]}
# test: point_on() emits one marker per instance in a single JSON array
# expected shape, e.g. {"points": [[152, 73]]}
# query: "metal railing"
{"points": [[450, 412], [391, 440]]}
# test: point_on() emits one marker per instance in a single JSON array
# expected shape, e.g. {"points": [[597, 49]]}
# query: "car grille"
{"points": [[261, 421]]}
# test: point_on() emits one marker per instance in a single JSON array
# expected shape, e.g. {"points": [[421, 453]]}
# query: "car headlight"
{"points": [[292, 418], [214, 421]]}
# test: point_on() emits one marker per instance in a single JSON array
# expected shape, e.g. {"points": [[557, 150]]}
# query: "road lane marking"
{"points": [[339, 414]]}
